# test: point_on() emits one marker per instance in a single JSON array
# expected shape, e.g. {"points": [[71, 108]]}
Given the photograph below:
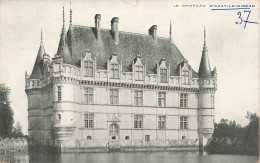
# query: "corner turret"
{"points": [[34, 94], [207, 89]]}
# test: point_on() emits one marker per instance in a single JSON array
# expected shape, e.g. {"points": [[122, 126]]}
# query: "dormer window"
{"points": [[163, 75], [185, 77], [114, 70], [138, 68], [88, 66], [139, 73]]}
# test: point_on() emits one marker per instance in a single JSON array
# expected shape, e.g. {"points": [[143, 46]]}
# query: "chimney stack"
{"points": [[97, 25], [114, 29], [152, 31]]}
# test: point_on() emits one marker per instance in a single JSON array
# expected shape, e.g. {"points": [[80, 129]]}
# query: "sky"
{"points": [[231, 48]]}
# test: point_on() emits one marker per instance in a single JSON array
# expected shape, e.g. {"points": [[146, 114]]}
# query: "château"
{"points": [[108, 88]]}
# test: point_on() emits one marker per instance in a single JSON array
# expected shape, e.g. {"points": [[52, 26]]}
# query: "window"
{"points": [[147, 138], [127, 138], [183, 100], [88, 65], [138, 98], [113, 129], [113, 137], [139, 71], [185, 77], [89, 137], [183, 122], [163, 75], [113, 96], [161, 122], [88, 95], [59, 117], [38, 83], [89, 120], [59, 93], [162, 99], [138, 121], [69, 69], [114, 71]]}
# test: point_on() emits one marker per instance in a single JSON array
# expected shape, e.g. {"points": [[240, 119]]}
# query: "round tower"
{"points": [[34, 95], [65, 92], [207, 88]]}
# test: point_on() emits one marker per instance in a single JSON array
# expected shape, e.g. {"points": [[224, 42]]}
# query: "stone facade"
{"points": [[92, 95]]}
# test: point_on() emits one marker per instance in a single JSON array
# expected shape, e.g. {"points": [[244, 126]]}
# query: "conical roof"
{"points": [[38, 65], [63, 49], [204, 69]]}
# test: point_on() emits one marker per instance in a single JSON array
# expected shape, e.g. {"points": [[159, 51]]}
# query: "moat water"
{"points": [[140, 157]]}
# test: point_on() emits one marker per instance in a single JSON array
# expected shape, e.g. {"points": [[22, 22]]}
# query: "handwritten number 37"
{"points": [[245, 21]]}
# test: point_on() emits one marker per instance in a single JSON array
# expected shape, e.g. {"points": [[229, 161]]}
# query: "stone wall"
{"points": [[13, 145]]}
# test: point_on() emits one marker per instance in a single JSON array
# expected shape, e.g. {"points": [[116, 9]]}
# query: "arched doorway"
{"points": [[114, 131]]}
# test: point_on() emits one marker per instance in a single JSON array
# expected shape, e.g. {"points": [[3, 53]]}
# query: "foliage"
{"points": [[252, 132], [6, 116], [231, 138], [6, 112], [17, 130]]}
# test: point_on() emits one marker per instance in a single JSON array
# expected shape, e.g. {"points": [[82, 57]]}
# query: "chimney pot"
{"points": [[97, 16], [152, 31], [114, 19]]}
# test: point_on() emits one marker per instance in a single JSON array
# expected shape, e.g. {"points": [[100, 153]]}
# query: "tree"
{"points": [[230, 138], [252, 131], [6, 112], [227, 128], [17, 130]]}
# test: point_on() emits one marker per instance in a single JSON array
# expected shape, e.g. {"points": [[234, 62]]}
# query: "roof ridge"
{"points": [[125, 32]]}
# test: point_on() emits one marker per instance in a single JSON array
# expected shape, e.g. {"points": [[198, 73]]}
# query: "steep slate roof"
{"points": [[38, 65], [205, 70], [81, 39]]}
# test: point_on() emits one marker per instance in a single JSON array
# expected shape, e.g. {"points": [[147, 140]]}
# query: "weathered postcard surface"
{"points": [[129, 81]]}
